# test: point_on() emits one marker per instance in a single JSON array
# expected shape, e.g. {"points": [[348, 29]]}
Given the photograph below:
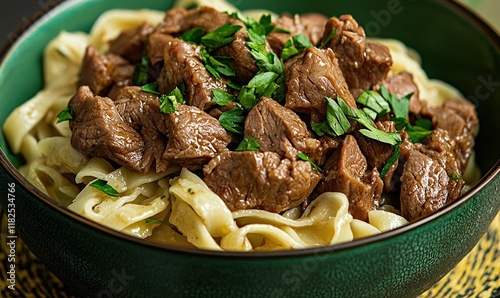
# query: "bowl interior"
{"points": [[453, 47]]}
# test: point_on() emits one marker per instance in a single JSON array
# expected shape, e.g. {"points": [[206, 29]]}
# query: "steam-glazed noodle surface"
{"points": [[174, 207]]}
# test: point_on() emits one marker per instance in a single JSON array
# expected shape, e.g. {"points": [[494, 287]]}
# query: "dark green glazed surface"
{"points": [[97, 262]]}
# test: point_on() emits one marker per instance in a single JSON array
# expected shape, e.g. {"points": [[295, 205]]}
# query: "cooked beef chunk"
{"points": [[279, 129], [364, 64], [130, 43], [311, 25], [260, 180], [130, 102], [134, 106], [194, 137], [346, 171], [156, 47], [99, 131], [313, 76], [183, 64], [99, 72], [178, 21], [427, 182], [459, 118], [327, 145]]}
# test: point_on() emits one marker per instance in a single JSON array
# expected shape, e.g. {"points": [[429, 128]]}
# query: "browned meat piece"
{"points": [[134, 106], [99, 72], [364, 64], [178, 21], [260, 180], [156, 47], [310, 78], [99, 131], [279, 129], [183, 64], [346, 171], [327, 145], [130, 102], [427, 183], [130, 43], [194, 137], [311, 25], [459, 118]]}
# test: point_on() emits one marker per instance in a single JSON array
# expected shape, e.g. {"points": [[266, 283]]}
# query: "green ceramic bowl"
{"points": [[95, 261]]}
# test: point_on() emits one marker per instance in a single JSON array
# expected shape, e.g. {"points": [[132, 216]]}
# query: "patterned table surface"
{"points": [[477, 275]]}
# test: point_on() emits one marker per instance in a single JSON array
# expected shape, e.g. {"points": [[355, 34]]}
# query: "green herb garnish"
{"points": [[336, 123], [233, 120], [416, 133], [170, 103], [140, 76], [400, 107], [295, 45], [217, 65], [388, 164], [219, 37], [151, 88], [103, 186], [221, 97], [193, 36], [372, 132], [65, 115], [455, 176], [263, 27], [374, 101], [304, 157], [328, 39], [248, 144]]}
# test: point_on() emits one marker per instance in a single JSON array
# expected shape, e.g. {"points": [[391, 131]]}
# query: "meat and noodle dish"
{"points": [[217, 129]]}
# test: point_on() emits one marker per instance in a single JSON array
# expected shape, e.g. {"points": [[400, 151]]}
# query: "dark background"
{"points": [[15, 13]]}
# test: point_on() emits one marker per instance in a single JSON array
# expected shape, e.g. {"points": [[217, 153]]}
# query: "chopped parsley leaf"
{"points": [[65, 115], [295, 45], [219, 37], [193, 36], [400, 107], [151, 88], [248, 144], [374, 101], [388, 164], [336, 118], [103, 186], [416, 133], [455, 176], [263, 27], [304, 157], [233, 120], [140, 76], [170, 103], [217, 65], [372, 132], [328, 39], [221, 97]]}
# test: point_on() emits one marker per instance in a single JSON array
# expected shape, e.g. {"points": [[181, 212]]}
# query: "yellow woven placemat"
{"points": [[477, 275]]}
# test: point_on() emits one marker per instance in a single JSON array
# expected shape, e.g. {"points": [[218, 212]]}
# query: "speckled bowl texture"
{"points": [[94, 261]]}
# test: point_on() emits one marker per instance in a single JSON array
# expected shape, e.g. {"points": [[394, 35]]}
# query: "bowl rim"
{"points": [[59, 5]]}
